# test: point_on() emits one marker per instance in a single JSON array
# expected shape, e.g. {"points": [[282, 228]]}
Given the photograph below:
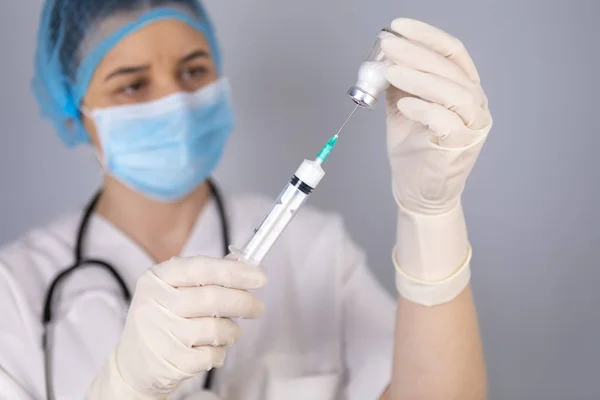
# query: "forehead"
{"points": [[117, 31], [168, 38]]}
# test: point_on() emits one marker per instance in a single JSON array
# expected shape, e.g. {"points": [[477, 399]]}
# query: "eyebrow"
{"points": [[193, 55], [132, 70], [126, 71]]}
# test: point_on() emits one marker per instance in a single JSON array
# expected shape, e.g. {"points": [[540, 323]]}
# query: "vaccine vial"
{"points": [[371, 74]]}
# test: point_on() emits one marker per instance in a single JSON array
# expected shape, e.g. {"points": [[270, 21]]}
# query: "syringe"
{"points": [[371, 83], [292, 197]]}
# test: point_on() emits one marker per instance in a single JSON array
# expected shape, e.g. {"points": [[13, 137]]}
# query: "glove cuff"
{"points": [[432, 256], [109, 384], [431, 247], [432, 294]]}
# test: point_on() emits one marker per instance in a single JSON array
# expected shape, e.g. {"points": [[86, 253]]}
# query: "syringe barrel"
{"points": [[277, 219]]}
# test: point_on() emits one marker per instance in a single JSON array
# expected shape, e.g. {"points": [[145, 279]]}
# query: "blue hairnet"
{"points": [[75, 35]]}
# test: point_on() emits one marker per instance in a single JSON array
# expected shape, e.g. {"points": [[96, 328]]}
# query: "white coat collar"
{"points": [[107, 242]]}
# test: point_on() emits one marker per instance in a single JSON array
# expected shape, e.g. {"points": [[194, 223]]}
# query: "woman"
{"points": [[141, 83]]}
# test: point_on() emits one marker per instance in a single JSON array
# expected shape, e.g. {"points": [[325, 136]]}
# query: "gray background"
{"points": [[531, 204]]}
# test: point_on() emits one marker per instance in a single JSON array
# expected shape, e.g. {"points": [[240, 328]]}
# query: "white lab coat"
{"points": [[327, 332]]}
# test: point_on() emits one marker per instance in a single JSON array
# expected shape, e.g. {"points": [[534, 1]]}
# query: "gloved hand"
{"points": [[438, 120], [178, 326]]}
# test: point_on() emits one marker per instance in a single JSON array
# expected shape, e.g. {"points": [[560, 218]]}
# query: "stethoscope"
{"points": [[82, 262]]}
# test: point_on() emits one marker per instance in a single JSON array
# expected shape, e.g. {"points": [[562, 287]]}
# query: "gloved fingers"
{"points": [[214, 354], [445, 124], [194, 332], [210, 357], [212, 301], [417, 57], [191, 361], [441, 121], [201, 271], [439, 41], [442, 91]]}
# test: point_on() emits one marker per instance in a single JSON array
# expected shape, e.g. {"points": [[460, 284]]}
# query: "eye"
{"points": [[194, 72], [134, 87]]}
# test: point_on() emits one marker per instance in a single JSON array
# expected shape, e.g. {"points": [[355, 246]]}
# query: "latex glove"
{"points": [[438, 120], [178, 326]]}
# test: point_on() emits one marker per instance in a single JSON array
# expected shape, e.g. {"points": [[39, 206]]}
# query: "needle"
{"points": [[325, 151], [346, 123]]}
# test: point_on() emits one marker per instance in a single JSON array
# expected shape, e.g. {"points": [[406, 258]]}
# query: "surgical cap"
{"points": [[75, 35]]}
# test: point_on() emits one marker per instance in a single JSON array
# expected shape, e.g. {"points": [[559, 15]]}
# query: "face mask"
{"points": [[166, 148]]}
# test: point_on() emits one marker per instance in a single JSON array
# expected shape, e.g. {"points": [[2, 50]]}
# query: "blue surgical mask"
{"points": [[166, 148]]}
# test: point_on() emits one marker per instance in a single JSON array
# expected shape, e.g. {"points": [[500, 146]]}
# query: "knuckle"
{"points": [[217, 356], [486, 120], [190, 332], [161, 269], [236, 331], [483, 99], [184, 359], [229, 332], [256, 278], [464, 104], [149, 285], [174, 300], [459, 46], [174, 305], [206, 357], [145, 280], [398, 23], [441, 129], [226, 332]]}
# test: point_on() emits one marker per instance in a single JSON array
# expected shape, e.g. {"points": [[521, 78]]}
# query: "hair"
{"points": [[75, 17]]}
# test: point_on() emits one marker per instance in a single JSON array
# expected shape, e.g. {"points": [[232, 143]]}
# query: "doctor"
{"points": [[140, 83]]}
